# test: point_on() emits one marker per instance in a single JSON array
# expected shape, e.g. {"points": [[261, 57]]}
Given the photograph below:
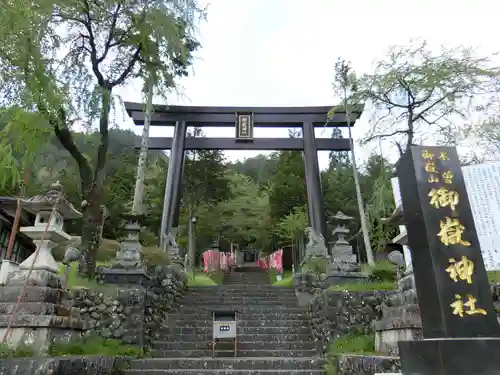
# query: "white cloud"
{"points": [[282, 52]]}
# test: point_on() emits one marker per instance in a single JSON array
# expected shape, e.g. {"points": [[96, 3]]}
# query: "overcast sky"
{"points": [[282, 52]]}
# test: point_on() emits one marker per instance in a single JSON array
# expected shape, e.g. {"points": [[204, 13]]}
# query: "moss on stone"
{"points": [[365, 287]]}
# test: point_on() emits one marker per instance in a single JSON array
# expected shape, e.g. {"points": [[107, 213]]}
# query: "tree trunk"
{"points": [[141, 164], [93, 222]]}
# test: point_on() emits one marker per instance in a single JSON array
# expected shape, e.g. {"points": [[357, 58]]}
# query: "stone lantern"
{"points": [[41, 317], [344, 267], [51, 209], [128, 268], [341, 250]]}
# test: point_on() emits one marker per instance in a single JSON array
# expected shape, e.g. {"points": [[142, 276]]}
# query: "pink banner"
{"points": [[214, 260], [272, 261]]}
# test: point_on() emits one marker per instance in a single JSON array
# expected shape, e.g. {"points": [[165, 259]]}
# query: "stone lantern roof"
{"points": [[53, 197], [340, 217]]}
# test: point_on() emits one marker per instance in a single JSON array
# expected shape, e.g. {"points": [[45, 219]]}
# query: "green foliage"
{"points": [[293, 225], [288, 188], [316, 266], [494, 277], [154, 256], [74, 280], [243, 219], [21, 351], [415, 90], [382, 271], [63, 59], [93, 345], [352, 343], [286, 281], [260, 168], [202, 279]]}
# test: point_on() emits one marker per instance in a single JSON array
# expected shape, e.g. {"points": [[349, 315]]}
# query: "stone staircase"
{"points": [[273, 333]]}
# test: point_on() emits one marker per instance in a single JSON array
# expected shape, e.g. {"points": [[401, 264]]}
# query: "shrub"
{"points": [[92, 345], [154, 256], [382, 271], [316, 266], [21, 351]]}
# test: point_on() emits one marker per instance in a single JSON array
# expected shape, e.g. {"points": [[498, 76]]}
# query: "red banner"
{"points": [[272, 261], [214, 260]]}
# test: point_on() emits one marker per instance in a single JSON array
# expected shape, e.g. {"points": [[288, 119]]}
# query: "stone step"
{"points": [[248, 288], [242, 316], [246, 296], [288, 323], [228, 345], [223, 372], [34, 308], [241, 337], [238, 301], [237, 295], [209, 363], [196, 353], [30, 293], [240, 330], [240, 308]]}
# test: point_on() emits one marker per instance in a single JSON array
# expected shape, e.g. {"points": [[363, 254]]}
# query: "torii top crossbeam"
{"points": [[225, 116]]}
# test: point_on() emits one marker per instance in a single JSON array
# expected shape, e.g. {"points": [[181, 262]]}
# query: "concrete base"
{"points": [[8, 267], [122, 276], [451, 356], [386, 341], [35, 278], [336, 278], [39, 339]]}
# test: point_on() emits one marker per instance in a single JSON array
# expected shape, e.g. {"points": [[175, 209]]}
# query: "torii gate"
{"points": [[243, 120]]}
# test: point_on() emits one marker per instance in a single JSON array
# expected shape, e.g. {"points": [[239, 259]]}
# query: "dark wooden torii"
{"points": [[243, 120]]}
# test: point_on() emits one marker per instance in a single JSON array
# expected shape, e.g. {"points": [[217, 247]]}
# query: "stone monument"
{"points": [[344, 267], [40, 318], [461, 333]]}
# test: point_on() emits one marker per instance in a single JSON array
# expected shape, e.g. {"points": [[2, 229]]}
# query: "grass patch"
{"points": [[494, 276], [352, 343], [22, 351], [348, 344], [93, 345], [286, 281], [74, 280], [365, 287], [381, 271], [202, 279]]}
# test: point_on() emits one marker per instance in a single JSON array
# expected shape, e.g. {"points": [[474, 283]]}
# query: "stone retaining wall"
{"points": [[350, 364], [131, 314], [94, 365], [334, 314]]}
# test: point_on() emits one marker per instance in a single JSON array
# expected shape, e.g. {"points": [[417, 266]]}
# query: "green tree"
{"points": [[63, 59], [288, 187], [380, 200], [204, 181], [415, 91], [241, 218]]}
